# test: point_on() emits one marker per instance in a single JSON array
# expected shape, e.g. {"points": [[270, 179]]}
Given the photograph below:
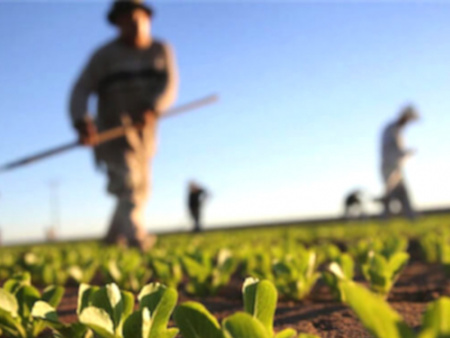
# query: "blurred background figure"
{"points": [[135, 75], [393, 155], [50, 234], [354, 204], [197, 195]]}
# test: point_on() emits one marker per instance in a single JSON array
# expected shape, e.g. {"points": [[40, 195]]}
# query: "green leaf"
{"points": [[138, 324], [8, 303], [375, 314], [114, 271], [45, 316], [194, 269], [116, 303], [286, 333], [53, 295], [10, 324], [13, 284], [161, 301], [100, 299], [76, 330], [307, 335], [85, 292], [170, 333], [195, 321], [98, 320], [44, 310], [260, 300], [26, 297], [397, 262], [76, 273], [243, 325], [347, 265], [128, 304], [435, 322]]}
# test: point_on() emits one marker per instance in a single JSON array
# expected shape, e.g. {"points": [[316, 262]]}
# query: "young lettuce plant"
{"points": [[195, 321], [383, 272], [24, 312], [431, 247], [167, 271], [393, 245], [294, 277], [107, 311], [128, 270], [343, 263], [159, 301], [104, 309], [326, 252], [84, 272], [382, 321], [257, 265], [436, 249], [206, 278]]}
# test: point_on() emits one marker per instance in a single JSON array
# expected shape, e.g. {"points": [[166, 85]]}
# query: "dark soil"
{"points": [[319, 314]]}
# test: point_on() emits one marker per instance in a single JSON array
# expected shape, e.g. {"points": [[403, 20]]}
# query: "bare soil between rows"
{"points": [[319, 314]]}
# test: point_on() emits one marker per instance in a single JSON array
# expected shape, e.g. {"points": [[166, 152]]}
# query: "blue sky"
{"points": [[305, 89]]}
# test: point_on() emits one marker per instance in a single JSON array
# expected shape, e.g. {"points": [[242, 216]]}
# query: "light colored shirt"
{"points": [[393, 155]]}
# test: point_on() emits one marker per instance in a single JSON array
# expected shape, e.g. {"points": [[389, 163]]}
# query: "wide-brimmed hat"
{"points": [[124, 6]]}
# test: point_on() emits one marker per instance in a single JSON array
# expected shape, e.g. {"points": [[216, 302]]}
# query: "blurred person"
{"points": [[50, 234], [196, 197], [354, 204], [135, 79], [393, 155]]}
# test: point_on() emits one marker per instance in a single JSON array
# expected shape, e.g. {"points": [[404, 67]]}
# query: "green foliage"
{"points": [[23, 312], [260, 298], [160, 301], [344, 266], [195, 321], [375, 314], [126, 269], [207, 276], [167, 270], [260, 301], [257, 264], [382, 321], [242, 325], [108, 311], [295, 276], [435, 322], [382, 272]]}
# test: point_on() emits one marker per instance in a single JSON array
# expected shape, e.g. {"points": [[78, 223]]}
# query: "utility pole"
{"points": [[55, 215]]}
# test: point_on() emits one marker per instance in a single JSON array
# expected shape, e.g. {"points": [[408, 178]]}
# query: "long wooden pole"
{"points": [[105, 136]]}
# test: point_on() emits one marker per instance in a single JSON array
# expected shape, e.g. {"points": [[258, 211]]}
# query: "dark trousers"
{"points": [[195, 214]]}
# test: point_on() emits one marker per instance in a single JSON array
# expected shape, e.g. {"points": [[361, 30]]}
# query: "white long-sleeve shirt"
{"points": [[393, 155]]}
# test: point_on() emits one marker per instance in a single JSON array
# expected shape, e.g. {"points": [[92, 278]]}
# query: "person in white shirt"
{"points": [[393, 156]]}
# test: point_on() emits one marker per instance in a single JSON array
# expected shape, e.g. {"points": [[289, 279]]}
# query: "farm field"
{"points": [[355, 279]]}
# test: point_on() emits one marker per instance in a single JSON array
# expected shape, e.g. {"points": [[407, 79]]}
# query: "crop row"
{"points": [[294, 269], [109, 312]]}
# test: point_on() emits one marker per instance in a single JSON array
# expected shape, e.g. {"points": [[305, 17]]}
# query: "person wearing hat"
{"points": [[394, 154], [134, 77]]}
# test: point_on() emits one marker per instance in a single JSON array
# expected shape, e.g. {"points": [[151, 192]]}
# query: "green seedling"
{"points": [[383, 272]]}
